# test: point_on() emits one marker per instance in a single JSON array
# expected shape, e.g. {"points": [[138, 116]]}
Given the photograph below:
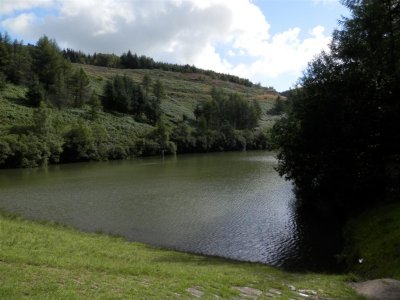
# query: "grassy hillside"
{"points": [[14, 113], [47, 261], [185, 90]]}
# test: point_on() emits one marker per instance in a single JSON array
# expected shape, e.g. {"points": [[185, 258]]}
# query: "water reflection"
{"points": [[232, 204]]}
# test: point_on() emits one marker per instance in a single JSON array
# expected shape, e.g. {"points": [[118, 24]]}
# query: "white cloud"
{"points": [[181, 31], [20, 23], [9, 6]]}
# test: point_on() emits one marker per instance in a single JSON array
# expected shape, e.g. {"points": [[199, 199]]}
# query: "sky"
{"points": [[267, 41]]}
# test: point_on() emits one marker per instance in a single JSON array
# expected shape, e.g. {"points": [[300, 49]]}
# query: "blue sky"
{"points": [[267, 41]]}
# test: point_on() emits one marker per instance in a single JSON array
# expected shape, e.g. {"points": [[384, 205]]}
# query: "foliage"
{"points": [[158, 90], [122, 94], [48, 62], [340, 142], [228, 110], [79, 82], [278, 107], [15, 60], [373, 243], [35, 94], [2, 81], [79, 144], [146, 82], [95, 107]]}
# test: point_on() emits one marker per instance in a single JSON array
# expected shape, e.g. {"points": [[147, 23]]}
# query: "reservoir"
{"points": [[233, 205]]}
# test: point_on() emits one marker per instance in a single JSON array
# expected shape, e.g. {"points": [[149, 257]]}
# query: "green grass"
{"points": [[48, 261], [374, 237]]}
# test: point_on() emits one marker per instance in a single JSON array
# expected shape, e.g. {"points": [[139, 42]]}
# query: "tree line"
{"points": [[133, 61]]}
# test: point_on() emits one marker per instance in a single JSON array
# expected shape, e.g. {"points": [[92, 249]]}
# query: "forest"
{"points": [[53, 85]]}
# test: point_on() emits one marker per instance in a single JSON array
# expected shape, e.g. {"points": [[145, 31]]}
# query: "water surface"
{"points": [[226, 204]]}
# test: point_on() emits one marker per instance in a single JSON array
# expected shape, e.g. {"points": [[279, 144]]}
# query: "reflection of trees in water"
{"points": [[319, 241]]}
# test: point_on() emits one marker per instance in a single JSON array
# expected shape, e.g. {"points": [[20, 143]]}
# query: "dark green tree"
{"points": [[124, 95], [19, 67], [278, 107], [95, 107], [231, 110], [41, 120], [146, 83], [79, 86], [79, 144], [2, 81], [35, 94], [182, 136], [340, 141], [158, 90], [47, 61], [5, 53]]}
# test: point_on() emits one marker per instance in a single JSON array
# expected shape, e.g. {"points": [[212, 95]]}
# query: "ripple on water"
{"points": [[232, 205]]}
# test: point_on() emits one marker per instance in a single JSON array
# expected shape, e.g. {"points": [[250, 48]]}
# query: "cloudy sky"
{"points": [[267, 41]]}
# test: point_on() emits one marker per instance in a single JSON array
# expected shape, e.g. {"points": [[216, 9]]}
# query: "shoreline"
{"points": [[60, 261]]}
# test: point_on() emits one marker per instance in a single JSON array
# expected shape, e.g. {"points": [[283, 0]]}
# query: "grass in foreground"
{"points": [[47, 261], [374, 238]]}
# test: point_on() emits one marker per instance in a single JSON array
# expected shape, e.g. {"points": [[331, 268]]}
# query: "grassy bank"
{"points": [[373, 243], [47, 261]]}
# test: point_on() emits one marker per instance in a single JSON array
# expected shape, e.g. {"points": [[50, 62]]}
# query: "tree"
{"points": [[182, 137], [340, 141], [79, 144], [19, 67], [47, 61], [2, 81], [124, 95], [278, 107], [35, 94], [152, 110], [95, 106], [79, 83], [146, 82], [41, 122], [158, 90], [230, 110]]}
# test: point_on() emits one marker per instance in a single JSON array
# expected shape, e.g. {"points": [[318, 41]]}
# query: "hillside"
{"points": [[185, 90], [66, 132]]}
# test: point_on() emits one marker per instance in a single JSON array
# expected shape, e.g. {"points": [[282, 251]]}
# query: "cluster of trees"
{"points": [[226, 122], [42, 67], [122, 94], [134, 61], [228, 110], [340, 140], [201, 138]]}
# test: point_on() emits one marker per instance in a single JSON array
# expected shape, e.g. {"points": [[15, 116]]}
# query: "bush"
{"points": [[2, 81], [79, 144], [35, 95], [23, 151], [118, 152]]}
